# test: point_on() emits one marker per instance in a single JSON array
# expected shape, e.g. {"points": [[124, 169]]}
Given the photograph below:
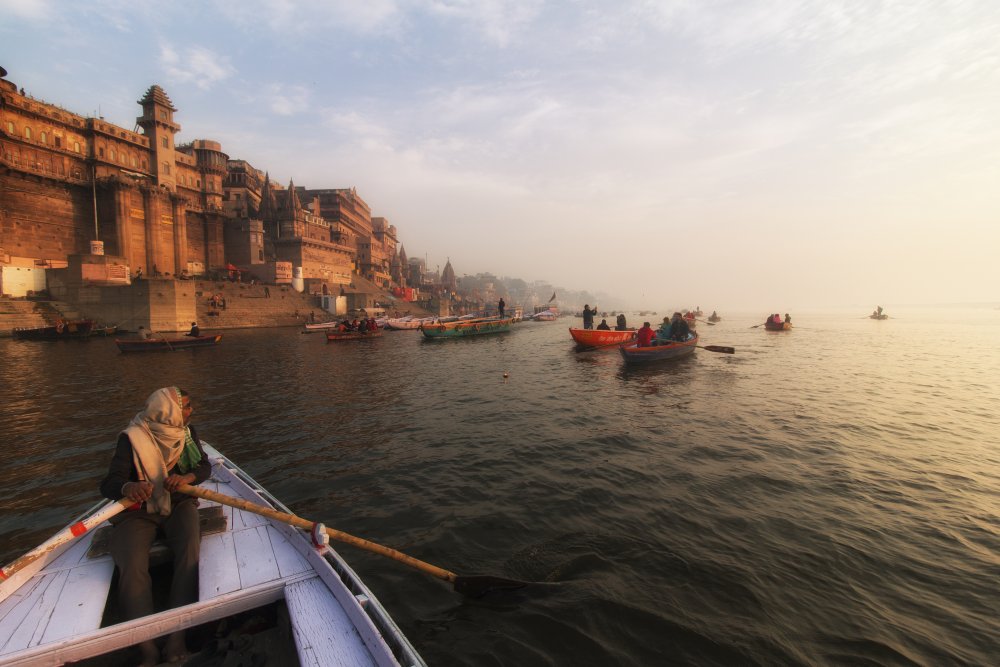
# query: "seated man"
{"points": [[157, 453], [644, 336], [679, 328], [195, 331], [603, 326]]}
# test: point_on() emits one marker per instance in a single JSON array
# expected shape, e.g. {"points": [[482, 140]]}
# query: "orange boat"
{"points": [[601, 337]]}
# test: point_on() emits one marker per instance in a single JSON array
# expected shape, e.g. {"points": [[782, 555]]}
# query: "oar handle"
{"points": [[305, 524], [65, 535]]}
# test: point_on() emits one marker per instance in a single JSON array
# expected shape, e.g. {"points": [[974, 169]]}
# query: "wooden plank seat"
{"points": [[211, 519]]}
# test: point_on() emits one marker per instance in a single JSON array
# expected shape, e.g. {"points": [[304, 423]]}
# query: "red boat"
{"points": [[352, 335], [633, 354], [601, 337], [166, 344]]}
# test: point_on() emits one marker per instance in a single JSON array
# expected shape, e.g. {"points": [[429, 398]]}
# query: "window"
{"points": [[76, 146], [163, 115], [27, 133], [164, 142], [133, 161], [44, 138], [10, 127], [100, 152], [58, 142], [114, 155], [166, 168], [143, 164]]}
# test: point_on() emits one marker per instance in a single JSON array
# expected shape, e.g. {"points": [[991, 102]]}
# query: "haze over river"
{"points": [[828, 495]]}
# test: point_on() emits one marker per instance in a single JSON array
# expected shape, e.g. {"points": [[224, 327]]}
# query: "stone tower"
{"points": [[157, 122]]}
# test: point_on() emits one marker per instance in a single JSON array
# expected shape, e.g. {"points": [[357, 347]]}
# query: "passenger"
{"points": [[603, 326], [644, 335], [144, 333], [788, 318], [620, 323], [776, 318], [679, 328], [500, 307], [195, 330], [663, 333], [588, 316], [157, 453]]}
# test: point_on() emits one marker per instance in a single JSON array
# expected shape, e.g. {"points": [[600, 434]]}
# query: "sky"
{"points": [[743, 155]]}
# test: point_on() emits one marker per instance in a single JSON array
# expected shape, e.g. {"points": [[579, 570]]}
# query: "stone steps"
{"points": [[250, 306], [15, 313]]}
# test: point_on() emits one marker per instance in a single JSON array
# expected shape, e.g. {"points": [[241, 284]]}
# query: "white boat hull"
{"points": [[50, 611]]}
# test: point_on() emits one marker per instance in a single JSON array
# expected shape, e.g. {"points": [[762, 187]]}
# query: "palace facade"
{"points": [[169, 209]]}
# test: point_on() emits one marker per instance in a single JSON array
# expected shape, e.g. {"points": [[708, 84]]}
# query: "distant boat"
{"points": [[777, 326], [545, 316], [334, 336], [714, 318], [321, 326], [601, 337], [633, 354], [460, 329], [166, 344], [69, 330], [883, 316]]}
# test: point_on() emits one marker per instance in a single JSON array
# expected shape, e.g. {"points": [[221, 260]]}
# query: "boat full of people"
{"points": [[471, 327]]}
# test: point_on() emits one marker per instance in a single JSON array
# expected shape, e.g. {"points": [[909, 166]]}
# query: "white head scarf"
{"points": [[157, 435]]}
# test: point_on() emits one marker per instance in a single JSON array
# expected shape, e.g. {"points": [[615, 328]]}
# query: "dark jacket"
{"points": [[122, 469]]}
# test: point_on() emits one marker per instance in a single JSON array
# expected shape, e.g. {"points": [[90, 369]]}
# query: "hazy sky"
{"points": [[735, 155]]}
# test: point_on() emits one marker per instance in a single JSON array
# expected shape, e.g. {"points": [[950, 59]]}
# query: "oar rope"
{"points": [[467, 585]]}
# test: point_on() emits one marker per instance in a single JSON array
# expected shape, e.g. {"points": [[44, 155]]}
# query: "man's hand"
{"points": [[174, 482], [138, 492]]}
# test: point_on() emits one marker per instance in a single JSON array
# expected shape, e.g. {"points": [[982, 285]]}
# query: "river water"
{"points": [[825, 496]]}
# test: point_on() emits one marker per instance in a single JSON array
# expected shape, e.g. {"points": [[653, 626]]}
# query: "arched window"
{"points": [[133, 161], [27, 132], [76, 146], [164, 142], [166, 168], [44, 138], [10, 127], [114, 155]]}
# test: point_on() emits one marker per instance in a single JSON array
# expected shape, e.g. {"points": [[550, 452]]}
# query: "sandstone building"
{"points": [[167, 209]]}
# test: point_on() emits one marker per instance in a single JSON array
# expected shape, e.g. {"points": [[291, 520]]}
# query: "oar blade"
{"points": [[721, 348], [479, 585]]}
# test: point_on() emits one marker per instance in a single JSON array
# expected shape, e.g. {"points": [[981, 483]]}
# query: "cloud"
{"points": [[29, 10], [198, 65], [498, 21], [285, 100], [295, 16]]}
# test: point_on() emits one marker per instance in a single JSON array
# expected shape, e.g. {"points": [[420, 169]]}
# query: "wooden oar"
{"points": [[474, 586], [711, 324], [65, 535], [718, 348]]}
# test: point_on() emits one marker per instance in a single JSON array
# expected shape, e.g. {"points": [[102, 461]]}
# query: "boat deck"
{"points": [[51, 613]]}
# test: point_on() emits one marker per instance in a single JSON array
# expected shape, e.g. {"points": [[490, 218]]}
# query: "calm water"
{"points": [[826, 496]]}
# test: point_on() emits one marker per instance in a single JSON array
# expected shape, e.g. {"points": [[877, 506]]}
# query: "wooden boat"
{"points": [[69, 330], [166, 344], [462, 328], [633, 354], [333, 336], [777, 326], [601, 337], [406, 323], [53, 599], [714, 318], [881, 316], [320, 326]]}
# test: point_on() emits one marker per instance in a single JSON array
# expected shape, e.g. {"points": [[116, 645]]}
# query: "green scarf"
{"points": [[191, 455]]}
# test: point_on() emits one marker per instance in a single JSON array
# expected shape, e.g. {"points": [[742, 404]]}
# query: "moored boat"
{"points": [[320, 326], [600, 337], [462, 328], [406, 323], [68, 330], [334, 336], [633, 354], [53, 599], [166, 344]]}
